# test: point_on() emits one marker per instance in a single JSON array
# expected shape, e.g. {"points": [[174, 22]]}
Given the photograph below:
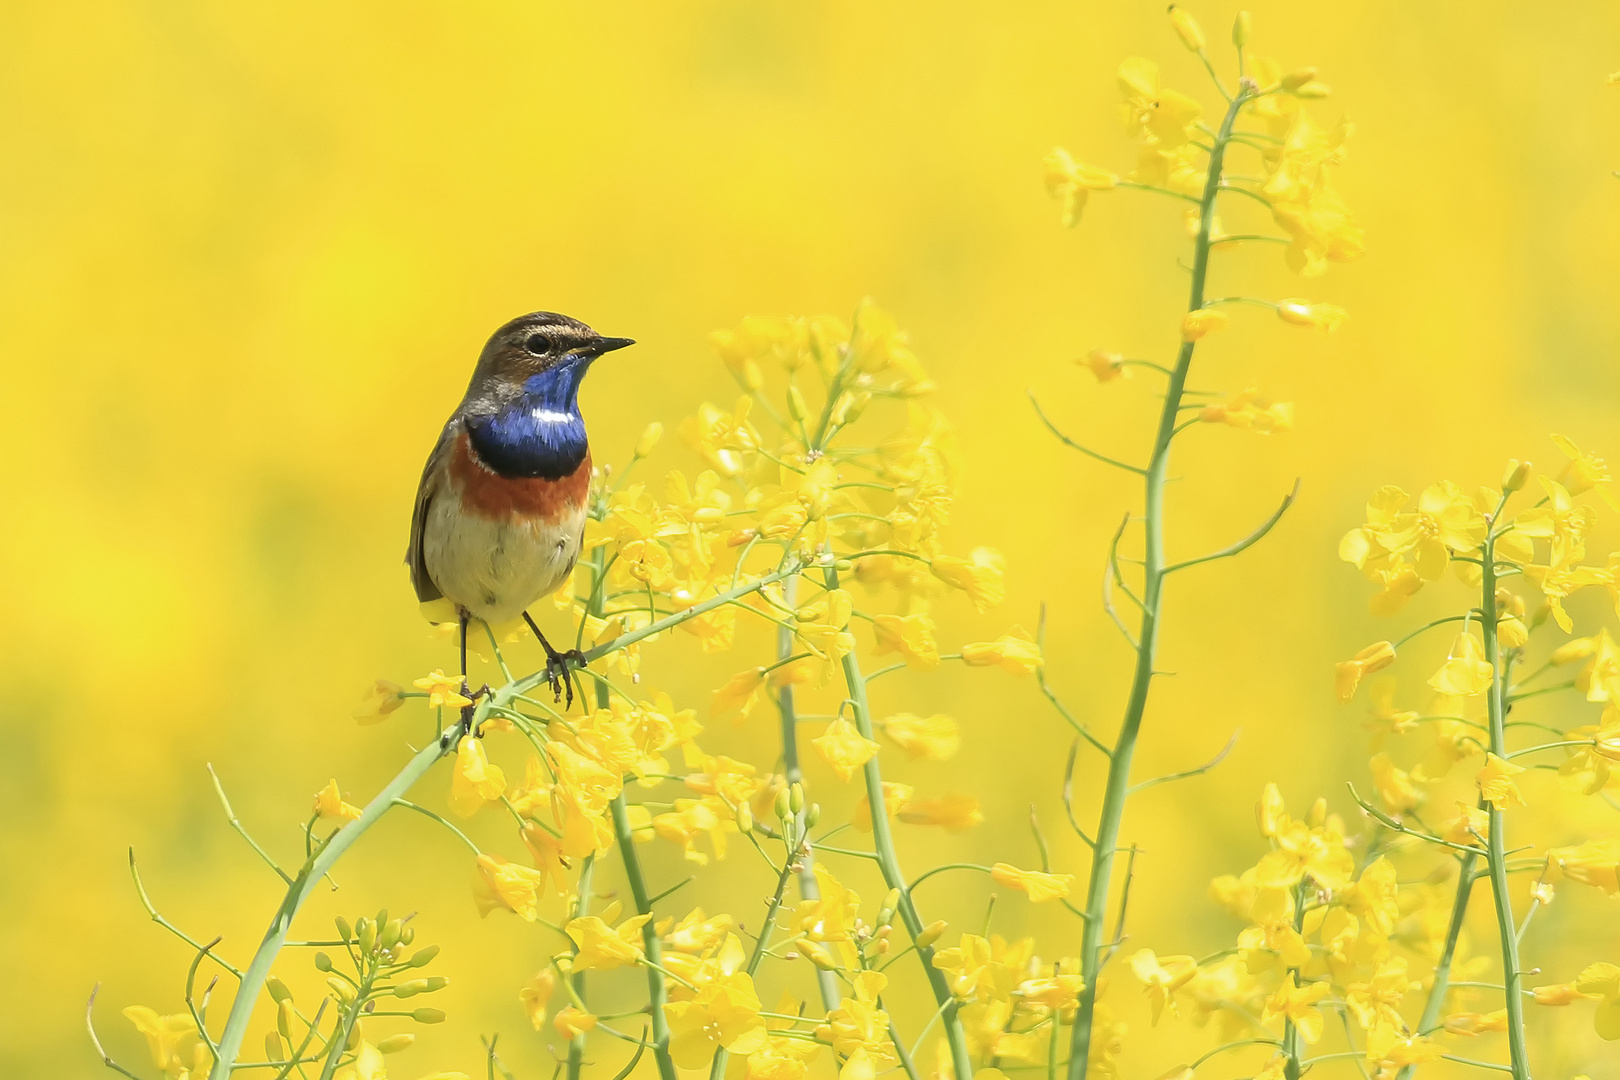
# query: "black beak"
{"points": [[607, 344]]}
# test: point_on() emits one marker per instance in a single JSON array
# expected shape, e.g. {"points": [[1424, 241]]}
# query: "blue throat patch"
{"points": [[541, 434]]}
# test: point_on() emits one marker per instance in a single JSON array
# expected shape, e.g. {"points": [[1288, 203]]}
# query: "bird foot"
{"points": [[467, 712], [557, 664]]}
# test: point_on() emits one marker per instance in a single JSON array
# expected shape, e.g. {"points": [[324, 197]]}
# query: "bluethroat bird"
{"points": [[500, 513]]}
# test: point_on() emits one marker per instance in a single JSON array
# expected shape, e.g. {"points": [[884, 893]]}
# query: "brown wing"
{"points": [[433, 475]]}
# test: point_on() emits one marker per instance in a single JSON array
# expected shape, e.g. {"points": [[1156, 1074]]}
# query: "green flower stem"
{"points": [[657, 994], [1496, 842], [1153, 573], [889, 862], [1436, 1002], [809, 888], [304, 882], [576, 1045], [717, 1070]]}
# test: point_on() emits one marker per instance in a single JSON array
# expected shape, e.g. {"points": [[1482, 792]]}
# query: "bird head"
{"points": [[542, 354]]}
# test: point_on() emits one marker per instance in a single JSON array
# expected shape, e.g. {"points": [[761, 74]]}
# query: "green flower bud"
{"points": [[407, 935], [390, 934], [278, 990], [341, 990], [1242, 29], [795, 404], [424, 956], [649, 439], [784, 805], [437, 982], [345, 931], [411, 988], [796, 797], [931, 933], [812, 815], [272, 1046], [1298, 78], [745, 818], [323, 962], [284, 1019], [395, 1043], [1515, 475], [367, 932], [428, 1016], [1187, 29]]}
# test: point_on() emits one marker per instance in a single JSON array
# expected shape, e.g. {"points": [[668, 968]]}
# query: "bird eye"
{"points": [[537, 344]]}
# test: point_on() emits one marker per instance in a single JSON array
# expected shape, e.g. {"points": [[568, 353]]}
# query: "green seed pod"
{"points": [[424, 956], [278, 990], [345, 931], [411, 988], [428, 1016], [272, 1046], [323, 962], [395, 1043]]}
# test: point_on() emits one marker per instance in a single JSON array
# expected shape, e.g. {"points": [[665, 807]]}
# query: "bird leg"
{"points": [[468, 709], [557, 665]]}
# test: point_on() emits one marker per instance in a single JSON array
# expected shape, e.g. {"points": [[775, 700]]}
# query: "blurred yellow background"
{"points": [[250, 252]]}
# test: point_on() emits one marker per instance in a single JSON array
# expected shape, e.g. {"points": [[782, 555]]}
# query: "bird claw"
{"points": [[557, 674], [467, 712]]}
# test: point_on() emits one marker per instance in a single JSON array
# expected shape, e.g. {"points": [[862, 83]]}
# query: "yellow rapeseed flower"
{"points": [[164, 1034], [1602, 981], [603, 947], [329, 804], [1105, 365], [1298, 1003], [982, 575], [931, 738], [1202, 322], [1014, 651], [1249, 411], [1323, 317], [844, 748], [1161, 978], [1595, 863], [1496, 784], [951, 812], [912, 636], [1038, 885], [1349, 673], [1466, 672], [1071, 182], [378, 701], [535, 996], [571, 1021], [475, 780], [443, 691], [503, 884]]}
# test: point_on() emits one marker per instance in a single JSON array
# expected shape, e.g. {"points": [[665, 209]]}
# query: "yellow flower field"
{"points": [[1000, 663]]}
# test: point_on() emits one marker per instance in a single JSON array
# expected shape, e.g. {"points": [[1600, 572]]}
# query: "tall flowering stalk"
{"points": [[1185, 159]]}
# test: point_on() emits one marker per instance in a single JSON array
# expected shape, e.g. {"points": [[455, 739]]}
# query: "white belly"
{"points": [[497, 569]]}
